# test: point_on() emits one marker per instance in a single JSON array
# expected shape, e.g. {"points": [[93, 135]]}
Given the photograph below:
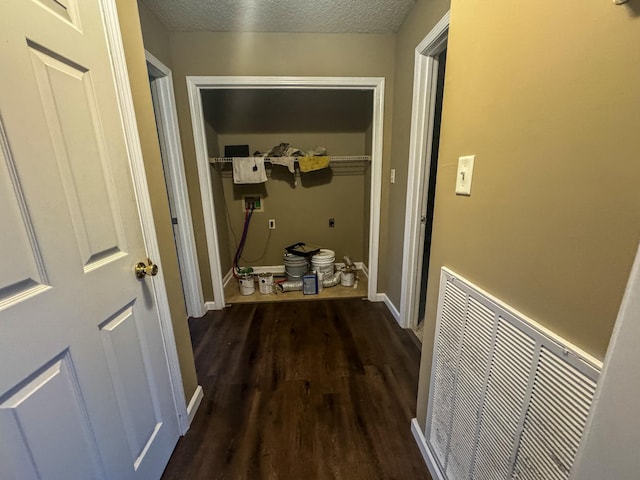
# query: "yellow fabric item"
{"points": [[310, 164]]}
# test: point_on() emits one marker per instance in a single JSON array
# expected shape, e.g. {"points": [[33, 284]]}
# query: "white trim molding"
{"points": [[195, 86], [194, 404], [227, 277], [211, 306], [171, 148], [206, 192], [609, 447], [422, 121], [382, 297], [424, 450], [134, 149]]}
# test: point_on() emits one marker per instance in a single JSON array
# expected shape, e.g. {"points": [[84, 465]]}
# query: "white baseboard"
{"points": [[275, 269], [359, 265], [192, 408], [364, 268], [210, 306], [202, 309], [434, 470], [227, 278], [382, 297]]}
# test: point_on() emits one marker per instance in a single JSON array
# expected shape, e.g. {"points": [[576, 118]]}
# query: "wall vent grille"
{"points": [[508, 398]]}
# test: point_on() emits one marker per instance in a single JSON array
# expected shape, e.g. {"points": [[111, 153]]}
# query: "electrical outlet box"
{"points": [[255, 202], [272, 224], [332, 222]]}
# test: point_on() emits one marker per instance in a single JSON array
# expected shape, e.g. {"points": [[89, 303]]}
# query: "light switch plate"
{"points": [[392, 177], [464, 175]]}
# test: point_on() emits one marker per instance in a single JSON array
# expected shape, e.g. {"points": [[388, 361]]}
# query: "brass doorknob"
{"points": [[142, 270]]}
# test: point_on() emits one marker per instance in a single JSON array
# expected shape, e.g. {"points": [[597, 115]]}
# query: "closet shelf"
{"points": [[332, 159]]}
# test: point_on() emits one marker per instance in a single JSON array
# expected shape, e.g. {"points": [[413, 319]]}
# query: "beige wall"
{"points": [[301, 208], [336, 143], [136, 65], [156, 35], [226, 244], [301, 212], [368, 144], [548, 99], [425, 14], [213, 141], [279, 55]]}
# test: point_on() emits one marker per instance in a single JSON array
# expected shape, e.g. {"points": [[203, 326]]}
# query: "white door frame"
{"points": [[609, 447], [134, 149], [425, 79], [195, 84], [167, 120]]}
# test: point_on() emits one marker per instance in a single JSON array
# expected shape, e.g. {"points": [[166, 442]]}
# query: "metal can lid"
{"points": [[265, 274]]}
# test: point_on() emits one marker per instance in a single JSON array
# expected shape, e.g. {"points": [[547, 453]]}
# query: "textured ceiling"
{"points": [[329, 16]]}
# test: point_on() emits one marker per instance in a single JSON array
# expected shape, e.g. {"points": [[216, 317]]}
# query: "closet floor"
{"points": [[232, 293]]}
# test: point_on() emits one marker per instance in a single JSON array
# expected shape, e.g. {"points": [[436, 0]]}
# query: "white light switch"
{"points": [[393, 175], [465, 174]]}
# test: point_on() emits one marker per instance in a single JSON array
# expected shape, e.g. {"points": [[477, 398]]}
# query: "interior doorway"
{"points": [[161, 84], [198, 85], [431, 192], [428, 88]]}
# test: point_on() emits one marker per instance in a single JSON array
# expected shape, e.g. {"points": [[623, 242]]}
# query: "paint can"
{"points": [[295, 266], [265, 283], [323, 261], [247, 286], [347, 278]]}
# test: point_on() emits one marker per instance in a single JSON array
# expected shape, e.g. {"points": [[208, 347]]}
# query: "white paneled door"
{"points": [[84, 382]]}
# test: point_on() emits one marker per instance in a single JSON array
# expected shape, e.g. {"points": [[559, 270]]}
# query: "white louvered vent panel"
{"points": [[472, 367], [453, 306], [508, 400], [506, 390], [554, 421]]}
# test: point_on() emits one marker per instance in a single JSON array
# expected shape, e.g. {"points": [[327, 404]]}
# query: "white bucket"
{"points": [[265, 283], [323, 261], [295, 267], [347, 279], [247, 286]]}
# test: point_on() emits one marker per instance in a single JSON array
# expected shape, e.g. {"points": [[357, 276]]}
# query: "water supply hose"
{"points": [[245, 229]]}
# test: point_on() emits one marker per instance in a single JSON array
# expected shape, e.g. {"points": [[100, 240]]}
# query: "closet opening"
{"points": [[288, 161]]}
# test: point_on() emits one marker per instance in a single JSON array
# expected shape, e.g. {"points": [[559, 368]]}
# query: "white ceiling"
{"points": [[328, 16]]}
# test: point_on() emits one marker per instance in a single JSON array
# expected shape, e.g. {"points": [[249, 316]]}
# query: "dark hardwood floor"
{"points": [[302, 390]]}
